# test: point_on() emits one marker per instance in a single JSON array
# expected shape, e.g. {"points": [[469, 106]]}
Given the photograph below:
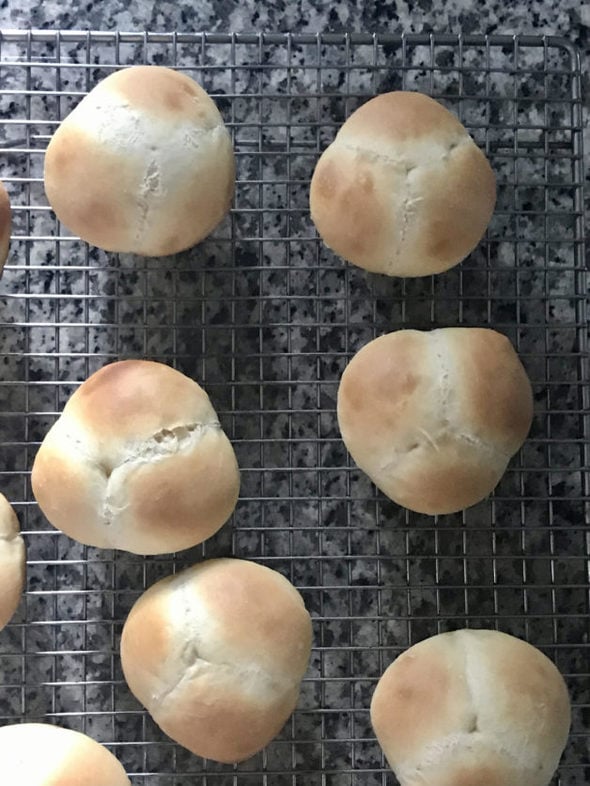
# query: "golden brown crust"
{"points": [[402, 116], [207, 482], [164, 93], [402, 706], [147, 639], [143, 164], [213, 721], [5, 225], [442, 476], [216, 654], [472, 707], [146, 396], [457, 200], [490, 360], [137, 461], [231, 589], [382, 385], [12, 562], [434, 417], [79, 177], [36, 754], [70, 491], [347, 206], [403, 189]]}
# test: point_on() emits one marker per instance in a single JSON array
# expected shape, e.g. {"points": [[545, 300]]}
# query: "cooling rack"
{"points": [[266, 318]]}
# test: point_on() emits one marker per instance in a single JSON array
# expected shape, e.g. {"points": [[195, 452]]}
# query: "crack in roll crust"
{"points": [[403, 189], [472, 707], [165, 443], [138, 461], [433, 418]]}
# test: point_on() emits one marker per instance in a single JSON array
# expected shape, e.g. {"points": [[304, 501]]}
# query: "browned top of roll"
{"points": [[402, 116], [403, 189]]}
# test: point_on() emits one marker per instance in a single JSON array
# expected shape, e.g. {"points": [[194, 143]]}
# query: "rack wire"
{"points": [[266, 318]]}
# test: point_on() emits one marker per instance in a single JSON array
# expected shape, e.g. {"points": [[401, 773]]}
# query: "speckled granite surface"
{"points": [[265, 318], [569, 18]]}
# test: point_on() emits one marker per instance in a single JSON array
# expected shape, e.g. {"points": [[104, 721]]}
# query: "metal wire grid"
{"points": [[266, 319]]}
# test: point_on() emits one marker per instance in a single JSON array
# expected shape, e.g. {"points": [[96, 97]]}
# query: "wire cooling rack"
{"points": [[266, 318]]}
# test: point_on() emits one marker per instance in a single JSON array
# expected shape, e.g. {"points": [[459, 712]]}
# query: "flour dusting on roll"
{"points": [[403, 189], [434, 417], [137, 461], [216, 654], [143, 164], [472, 707]]}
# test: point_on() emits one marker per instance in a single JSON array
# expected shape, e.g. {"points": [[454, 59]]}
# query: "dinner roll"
{"points": [[216, 654], [403, 189], [472, 708], [12, 563], [433, 418], [143, 164], [137, 461], [37, 754], [5, 225]]}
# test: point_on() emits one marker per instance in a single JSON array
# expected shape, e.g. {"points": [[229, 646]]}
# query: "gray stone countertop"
{"points": [[569, 18]]}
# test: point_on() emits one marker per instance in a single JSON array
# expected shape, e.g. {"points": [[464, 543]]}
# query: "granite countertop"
{"points": [[570, 18], [393, 578]]}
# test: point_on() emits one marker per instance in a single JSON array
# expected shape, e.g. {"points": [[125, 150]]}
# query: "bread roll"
{"points": [[5, 226], [403, 189], [143, 164], [137, 461], [216, 654], [472, 708], [12, 562], [37, 754], [433, 418]]}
